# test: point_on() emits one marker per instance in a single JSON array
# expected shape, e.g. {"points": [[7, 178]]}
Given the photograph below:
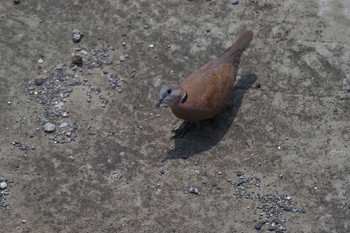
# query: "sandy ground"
{"points": [[293, 132]]}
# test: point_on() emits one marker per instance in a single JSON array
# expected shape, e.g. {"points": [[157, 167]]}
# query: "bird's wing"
{"points": [[218, 84]]}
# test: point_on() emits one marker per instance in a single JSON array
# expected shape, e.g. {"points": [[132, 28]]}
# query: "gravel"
{"points": [[20, 145], [3, 193], [52, 87], [272, 206]]}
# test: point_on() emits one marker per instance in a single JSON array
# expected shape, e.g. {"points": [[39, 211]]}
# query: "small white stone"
{"points": [[40, 61], [151, 45], [59, 105], [49, 127], [3, 185], [63, 124]]}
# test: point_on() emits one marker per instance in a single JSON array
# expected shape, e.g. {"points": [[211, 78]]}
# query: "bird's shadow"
{"points": [[208, 133]]}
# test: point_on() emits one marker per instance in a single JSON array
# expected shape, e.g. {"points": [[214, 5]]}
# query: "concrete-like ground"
{"points": [[293, 132]]}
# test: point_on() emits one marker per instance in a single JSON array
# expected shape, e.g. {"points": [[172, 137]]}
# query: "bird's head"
{"points": [[171, 94]]}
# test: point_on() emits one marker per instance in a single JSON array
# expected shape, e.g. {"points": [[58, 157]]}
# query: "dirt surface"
{"points": [[277, 156]]}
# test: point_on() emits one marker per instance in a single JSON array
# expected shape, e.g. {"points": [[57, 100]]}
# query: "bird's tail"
{"points": [[233, 54]]}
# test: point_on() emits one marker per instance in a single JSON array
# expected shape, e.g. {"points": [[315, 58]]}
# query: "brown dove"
{"points": [[203, 94]]}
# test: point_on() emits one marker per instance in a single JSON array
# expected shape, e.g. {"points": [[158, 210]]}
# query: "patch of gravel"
{"points": [[52, 89], [271, 206], [4, 191]]}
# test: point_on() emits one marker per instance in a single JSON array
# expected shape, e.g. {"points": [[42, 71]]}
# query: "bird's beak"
{"points": [[160, 101]]}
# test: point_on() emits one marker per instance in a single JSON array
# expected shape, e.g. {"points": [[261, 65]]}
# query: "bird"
{"points": [[203, 94]]}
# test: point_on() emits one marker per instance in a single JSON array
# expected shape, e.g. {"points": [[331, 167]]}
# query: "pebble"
{"points": [[193, 190], [49, 127], [259, 224], [162, 171], [39, 81], [40, 61], [76, 35], [272, 227], [3, 185], [63, 124], [234, 2], [24, 221], [122, 58], [240, 182], [77, 59], [257, 85]]}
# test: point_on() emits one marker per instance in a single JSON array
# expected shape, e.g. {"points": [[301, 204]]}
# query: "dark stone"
{"points": [[162, 171], [272, 227], [240, 181], [259, 224], [77, 35], [257, 85], [193, 190], [77, 59], [39, 81]]}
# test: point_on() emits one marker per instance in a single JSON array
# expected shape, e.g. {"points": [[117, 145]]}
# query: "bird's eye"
{"points": [[169, 91]]}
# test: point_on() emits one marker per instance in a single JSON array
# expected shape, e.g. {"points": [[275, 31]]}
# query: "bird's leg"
{"points": [[182, 129]]}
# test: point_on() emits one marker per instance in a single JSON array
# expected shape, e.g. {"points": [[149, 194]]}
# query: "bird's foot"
{"points": [[182, 129]]}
